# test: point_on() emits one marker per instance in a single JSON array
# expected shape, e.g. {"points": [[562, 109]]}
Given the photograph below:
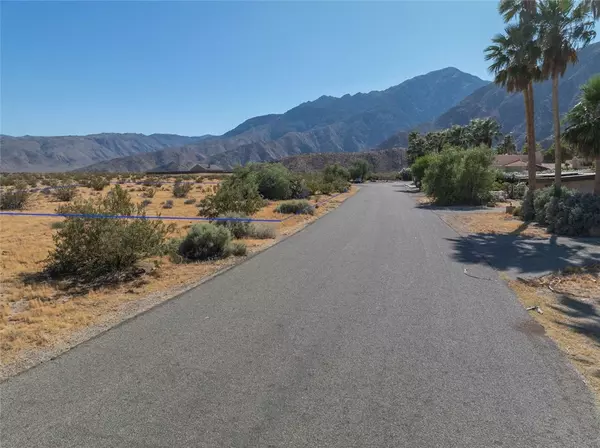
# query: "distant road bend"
{"points": [[360, 331]]}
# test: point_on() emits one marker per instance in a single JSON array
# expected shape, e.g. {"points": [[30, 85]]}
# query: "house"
{"points": [[517, 163]]}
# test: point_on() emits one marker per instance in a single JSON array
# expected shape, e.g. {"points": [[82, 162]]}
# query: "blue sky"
{"points": [[193, 68]]}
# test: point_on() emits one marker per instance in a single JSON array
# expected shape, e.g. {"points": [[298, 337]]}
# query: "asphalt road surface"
{"points": [[360, 331]]}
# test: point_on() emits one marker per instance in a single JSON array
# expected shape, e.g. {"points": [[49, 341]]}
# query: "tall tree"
{"points": [[514, 57], [564, 28], [583, 125], [524, 13]]}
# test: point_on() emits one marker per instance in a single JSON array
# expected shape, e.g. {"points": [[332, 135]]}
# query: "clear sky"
{"points": [[194, 68]]}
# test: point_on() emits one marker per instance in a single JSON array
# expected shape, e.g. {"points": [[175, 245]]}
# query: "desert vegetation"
{"points": [[63, 274]]}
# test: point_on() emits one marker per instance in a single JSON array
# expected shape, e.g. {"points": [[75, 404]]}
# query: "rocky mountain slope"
{"points": [[348, 124], [30, 153], [509, 110]]}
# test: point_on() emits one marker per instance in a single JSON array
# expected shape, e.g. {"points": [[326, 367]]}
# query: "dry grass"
{"points": [[570, 302], [43, 315], [497, 223]]}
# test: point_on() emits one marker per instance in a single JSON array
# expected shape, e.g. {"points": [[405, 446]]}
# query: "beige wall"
{"points": [[585, 186]]}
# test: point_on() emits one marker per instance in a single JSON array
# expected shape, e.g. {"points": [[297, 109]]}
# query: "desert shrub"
{"points": [[515, 190], [20, 184], [419, 167], [325, 188], [96, 183], [205, 241], [13, 199], [405, 174], [359, 171], [236, 248], [152, 182], [340, 185], [517, 211], [146, 203], [89, 248], [456, 176], [273, 180], [181, 189], [541, 199], [574, 214], [333, 172], [57, 225], [235, 195], [296, 207], [199, 179], [7, 180], [168, 204], [65, 194], [149, 192], [298, 188], [262, 231], [189, 201], [237, 227]]}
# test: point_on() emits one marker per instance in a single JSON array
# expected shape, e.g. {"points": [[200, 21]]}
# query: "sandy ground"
{"points": [[38, 321]]}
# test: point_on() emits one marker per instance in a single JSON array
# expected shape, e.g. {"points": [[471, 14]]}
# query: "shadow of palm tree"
{"points": [[524, 255]]}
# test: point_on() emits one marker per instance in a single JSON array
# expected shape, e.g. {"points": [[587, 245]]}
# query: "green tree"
{"points": [[483, 131], [360, 170], [507, 146], [416, 146], [564, 28], [583, 125], [514, 57]]}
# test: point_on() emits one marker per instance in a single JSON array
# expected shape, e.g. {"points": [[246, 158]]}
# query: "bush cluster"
{"points": [[89, 248], [204, 242], [13, 199], [245, 229], [96, 183], [181, 189], [563, 211], [246, 190], [65, 194], [455, 176], [296, 207]]}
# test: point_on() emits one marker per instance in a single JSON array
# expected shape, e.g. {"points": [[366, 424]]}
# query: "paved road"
{"points": [[361, 331]]}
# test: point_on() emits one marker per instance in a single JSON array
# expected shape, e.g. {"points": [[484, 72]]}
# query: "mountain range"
{"points": [[351, 123], [348, 124], [509, 109]]}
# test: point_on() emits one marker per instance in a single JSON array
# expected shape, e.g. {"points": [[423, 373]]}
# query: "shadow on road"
{"points": [[522, 255]]}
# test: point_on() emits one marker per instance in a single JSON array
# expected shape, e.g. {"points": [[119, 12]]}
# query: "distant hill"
{"points": [[380, 161], [31, 153], [351, 123]]}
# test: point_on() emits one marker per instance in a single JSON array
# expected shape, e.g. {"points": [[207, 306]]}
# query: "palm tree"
{"points": [[514, 57], [564, 28], [583, 125], [485, 131], [593, 7], [525, 11]]}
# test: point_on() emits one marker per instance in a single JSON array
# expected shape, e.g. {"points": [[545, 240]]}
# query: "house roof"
{"points": [[507, 159]]}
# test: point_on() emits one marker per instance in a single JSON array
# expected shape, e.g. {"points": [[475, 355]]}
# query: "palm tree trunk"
{"points": [[531, 138], [597, 179], [557, 149]]}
